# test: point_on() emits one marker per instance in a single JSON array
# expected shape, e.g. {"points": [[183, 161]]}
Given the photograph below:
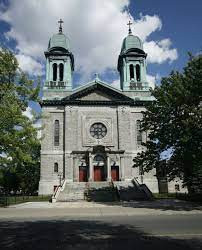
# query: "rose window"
{"points": [[98, 130]]}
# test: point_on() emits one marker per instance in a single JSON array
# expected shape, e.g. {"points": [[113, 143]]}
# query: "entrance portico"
{"points": [[97, 165]]}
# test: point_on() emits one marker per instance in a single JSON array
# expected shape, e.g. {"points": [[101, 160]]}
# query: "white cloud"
{"points": [[28, 113], [151, 80], [146, 25], [37, 124], [159, 52], [95, 28], [116, 84], [29, 65]]}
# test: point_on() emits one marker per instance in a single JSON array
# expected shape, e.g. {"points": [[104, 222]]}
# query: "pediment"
{"points": [[96, 95], [98, 92]]}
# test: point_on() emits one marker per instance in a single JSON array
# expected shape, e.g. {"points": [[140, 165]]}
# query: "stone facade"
{"points": [[91, 132]]}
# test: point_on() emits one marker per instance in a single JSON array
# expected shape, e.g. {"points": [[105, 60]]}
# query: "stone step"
{"points": [[129, 190]]}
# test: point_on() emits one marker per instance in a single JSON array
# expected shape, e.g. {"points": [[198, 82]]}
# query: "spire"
{"points": [[129, 30], [60, 27]]}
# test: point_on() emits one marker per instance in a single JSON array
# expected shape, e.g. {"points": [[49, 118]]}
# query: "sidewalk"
{"points": [[92, 209]]}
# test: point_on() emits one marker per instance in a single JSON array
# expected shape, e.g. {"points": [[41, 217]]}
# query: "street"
{"points": [[66, 228]]}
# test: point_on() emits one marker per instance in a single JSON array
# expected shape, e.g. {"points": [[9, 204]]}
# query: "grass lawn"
{"points": [[11, 200]]}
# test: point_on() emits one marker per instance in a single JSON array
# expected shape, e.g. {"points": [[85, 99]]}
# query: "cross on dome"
{"points": [[60, 27], [129, 30]]}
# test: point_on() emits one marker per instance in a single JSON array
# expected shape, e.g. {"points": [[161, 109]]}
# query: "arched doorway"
{"points": [[99, 168], [115, 173], [83, 176]]}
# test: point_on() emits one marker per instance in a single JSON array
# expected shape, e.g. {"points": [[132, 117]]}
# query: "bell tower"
{"points": [[59, 63], [132, 64]]}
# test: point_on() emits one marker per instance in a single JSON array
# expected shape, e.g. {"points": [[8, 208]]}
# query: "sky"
{"points": [[96, 29]]}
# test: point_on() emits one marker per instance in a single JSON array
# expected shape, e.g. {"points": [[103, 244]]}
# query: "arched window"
{"points": [[139, 133], [131, 71], [54, 72], [56, 167], [56, 133], [99, 158], [61, 70], [138, 72]]}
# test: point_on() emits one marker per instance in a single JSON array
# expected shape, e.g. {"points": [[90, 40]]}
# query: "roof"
{"points": [[131, 42], [58, 41]]}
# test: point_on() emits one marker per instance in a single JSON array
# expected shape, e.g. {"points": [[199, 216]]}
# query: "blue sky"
{"points": [[96, 28], [182, 20]]}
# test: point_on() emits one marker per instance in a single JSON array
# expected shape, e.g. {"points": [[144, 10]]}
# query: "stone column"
{"points": [[108, 168], [50, 70], [76, 169], [69, 167], [91, 172], [122, 168], [58, 72]]}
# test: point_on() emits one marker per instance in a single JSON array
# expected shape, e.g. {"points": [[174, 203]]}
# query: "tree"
{"points": [[174, 125], [18, 136]]}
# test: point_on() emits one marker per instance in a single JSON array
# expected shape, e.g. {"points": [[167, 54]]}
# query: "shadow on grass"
{"points": [[83, 234]]}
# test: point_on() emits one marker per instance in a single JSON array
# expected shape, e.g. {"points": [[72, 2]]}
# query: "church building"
{"points": [[92, 133]]}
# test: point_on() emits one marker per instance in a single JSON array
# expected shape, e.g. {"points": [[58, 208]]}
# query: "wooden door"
{"points": [[82, 174], [115, 173], [98, 173]]}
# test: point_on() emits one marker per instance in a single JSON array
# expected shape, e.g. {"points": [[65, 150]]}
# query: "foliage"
{"points": [[19, 145], [174, 125]]}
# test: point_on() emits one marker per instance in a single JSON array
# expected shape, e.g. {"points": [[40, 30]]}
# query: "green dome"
{"points": [[131, 42], [58, 41]]}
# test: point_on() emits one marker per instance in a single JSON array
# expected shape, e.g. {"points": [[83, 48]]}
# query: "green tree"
{"points": [[18, 136], [174, 125]]}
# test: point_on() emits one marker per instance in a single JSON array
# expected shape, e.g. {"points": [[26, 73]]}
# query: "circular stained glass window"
{"points": [[98, 130]]}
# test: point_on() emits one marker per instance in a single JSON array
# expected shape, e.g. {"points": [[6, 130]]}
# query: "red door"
{"points": [[98, 173], [82, 174], [115, 173]]}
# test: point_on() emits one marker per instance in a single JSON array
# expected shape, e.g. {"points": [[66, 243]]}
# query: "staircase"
{"points": [[102, 191], [73, 191], [132, 190]]}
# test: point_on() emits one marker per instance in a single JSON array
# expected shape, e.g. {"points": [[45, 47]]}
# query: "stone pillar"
{"points": [[69, 168], [50, 70], [91, 172], [122, 168], [108, 168], [58, 72], [76, 169]]}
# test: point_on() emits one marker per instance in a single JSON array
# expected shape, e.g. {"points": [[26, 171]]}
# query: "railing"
{"points": [[55, 84], [137, 86], [143, 188], [58, 190]]}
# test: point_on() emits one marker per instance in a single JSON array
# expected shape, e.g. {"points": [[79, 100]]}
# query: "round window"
{"points": [[98, 130]]}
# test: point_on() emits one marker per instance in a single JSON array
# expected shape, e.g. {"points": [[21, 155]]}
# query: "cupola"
{"points": [[59, 62], [132, 64]]}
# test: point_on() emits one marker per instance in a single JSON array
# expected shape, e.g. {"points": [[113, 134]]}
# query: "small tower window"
{"points": [[56, 167], [138, 72], [56, 133], [61, 68], [139, 133], [131, 71], [54, 72]]}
